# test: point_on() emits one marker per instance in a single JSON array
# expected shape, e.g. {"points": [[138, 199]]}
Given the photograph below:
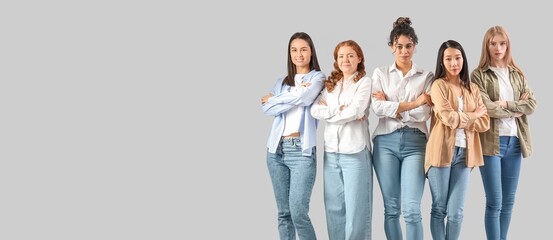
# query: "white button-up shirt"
{"points": [[399, 88], [344, 131]]}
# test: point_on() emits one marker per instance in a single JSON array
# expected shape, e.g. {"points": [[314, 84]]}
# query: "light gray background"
{"points": [[141, 119]]}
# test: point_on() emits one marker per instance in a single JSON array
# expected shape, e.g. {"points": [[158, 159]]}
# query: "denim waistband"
{"points": [[407, 129], [289, 139]]}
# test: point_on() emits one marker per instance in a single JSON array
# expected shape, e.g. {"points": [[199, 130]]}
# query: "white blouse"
{"points": [[344, 131], [399, 88]]}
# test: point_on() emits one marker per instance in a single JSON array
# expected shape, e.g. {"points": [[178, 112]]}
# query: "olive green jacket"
{"points": [[487, 81]]}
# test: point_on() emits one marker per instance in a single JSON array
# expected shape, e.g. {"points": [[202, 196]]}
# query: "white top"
{"points": [[460, 136], [507, 126], [293, 117], [399, 88], [344, 132]]}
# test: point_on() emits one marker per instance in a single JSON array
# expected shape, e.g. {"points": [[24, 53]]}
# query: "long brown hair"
{"points": [[313, 62]]}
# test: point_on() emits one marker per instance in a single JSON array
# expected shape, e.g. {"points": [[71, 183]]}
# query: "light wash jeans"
{"points": [[293, 177], [448, 186], [399, 166], [348, 195], [500, 177]]}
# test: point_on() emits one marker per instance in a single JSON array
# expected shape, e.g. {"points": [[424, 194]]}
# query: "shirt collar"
{"points": [[414, 68], [488, 67], [351, 77]]}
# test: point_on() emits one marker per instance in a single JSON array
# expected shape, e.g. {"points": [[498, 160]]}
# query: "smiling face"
{"points": [[403, 50], [347, 60], [300, 52], [497, 47], [453, 62]]}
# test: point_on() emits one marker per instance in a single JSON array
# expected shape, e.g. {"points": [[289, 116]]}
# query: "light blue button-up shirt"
{"points": [[285, 98]]}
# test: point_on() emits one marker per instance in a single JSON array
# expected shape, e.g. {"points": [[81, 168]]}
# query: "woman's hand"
{"points": [[424, 98], [379, 95], [524, 96], [265, 98], [322, 102]]}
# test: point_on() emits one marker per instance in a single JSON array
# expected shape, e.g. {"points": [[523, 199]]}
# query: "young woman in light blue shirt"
{"points": [[291, 148]]}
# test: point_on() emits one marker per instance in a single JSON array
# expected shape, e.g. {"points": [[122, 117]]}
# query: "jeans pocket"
{"points": [[420, 133]]}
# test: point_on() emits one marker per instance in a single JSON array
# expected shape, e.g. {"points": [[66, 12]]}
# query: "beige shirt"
{"points": [[446, 119]]}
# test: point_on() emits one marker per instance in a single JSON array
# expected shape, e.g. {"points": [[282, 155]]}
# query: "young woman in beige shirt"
{"points": [[453, 147]]}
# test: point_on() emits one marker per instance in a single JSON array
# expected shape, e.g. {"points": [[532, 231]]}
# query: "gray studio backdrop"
{"points": [[141, 119]]}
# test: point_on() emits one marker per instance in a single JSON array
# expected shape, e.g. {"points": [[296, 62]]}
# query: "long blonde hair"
{"points": [[485, 56]]}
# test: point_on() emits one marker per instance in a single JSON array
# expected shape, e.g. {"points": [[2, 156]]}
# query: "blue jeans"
{"points": [[348, 195], [448, 186], [399, 165], [293, 177], [500, 177]]}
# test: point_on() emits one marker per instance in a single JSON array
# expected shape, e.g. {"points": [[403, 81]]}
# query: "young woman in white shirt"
{"points": [[343, 105], [402, 103]]}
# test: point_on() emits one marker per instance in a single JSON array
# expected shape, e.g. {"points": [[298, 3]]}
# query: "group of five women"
{"points": [[477, 119]]}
